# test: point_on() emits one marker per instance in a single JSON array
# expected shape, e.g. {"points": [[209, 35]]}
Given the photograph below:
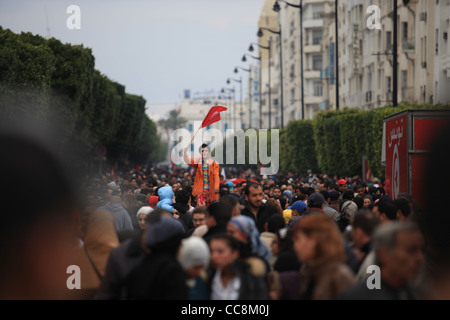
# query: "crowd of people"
{"points": [[147, 233]]}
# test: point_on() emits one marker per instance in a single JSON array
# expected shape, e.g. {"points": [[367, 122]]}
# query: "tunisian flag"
{"points": [[213, 116]]}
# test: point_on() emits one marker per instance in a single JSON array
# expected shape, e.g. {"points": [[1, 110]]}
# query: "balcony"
{"points": [[408, 44]]}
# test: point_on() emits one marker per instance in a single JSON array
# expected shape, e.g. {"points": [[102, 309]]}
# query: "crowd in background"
{"points": [[140, 234]]}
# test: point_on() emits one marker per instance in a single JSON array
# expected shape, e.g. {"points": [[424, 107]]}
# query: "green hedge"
{"points": [[58, 85], [340, 138]]}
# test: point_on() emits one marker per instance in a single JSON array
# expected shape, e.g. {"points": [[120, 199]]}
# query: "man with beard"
{"points": [[255, 208]]}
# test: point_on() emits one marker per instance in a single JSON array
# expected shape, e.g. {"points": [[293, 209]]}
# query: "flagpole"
{"points": [[195, 135]]}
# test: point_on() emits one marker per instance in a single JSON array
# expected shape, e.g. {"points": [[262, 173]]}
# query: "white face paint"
{"points": [[205, 153]]}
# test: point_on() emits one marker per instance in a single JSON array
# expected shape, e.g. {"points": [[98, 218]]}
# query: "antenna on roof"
{"points": [[46, 19]]}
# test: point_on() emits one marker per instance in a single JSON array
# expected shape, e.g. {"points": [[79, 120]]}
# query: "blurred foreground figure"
{"points": [[37, 239], [435, 283]]}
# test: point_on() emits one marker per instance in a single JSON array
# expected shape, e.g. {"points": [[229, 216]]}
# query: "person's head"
{"points": [[243, 229], [275, 223], [348, 195], [298, 208], [205, 151], [199, 216], [277, 192], [367, 201], [342, 185], [183, 197], [164, 235], [381, 191], [364, 224], [326, 196], [334, 196], [360, 190], [153, 201], [398, 248], [385, 210], [317, 239], [224, 251], [234, 203], [36, 241], [403, 209], [316, 201], [141, 216], [219, 213], [254, 195], [194, 256]]}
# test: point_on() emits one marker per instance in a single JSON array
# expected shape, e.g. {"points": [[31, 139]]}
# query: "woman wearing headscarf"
{"points": [[253, 249]]}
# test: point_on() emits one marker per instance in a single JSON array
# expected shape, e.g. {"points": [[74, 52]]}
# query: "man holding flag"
{"points": [[206, 182]]}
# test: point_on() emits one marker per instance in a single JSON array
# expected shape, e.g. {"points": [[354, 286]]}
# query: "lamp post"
{"points": [[276, 8], [236, 70], [251, 49], [240, 84], [244, 59], [260, 34], [234, 103]]}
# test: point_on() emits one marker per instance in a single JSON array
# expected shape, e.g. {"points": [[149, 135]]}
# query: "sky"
{"points": [[156, 48]]}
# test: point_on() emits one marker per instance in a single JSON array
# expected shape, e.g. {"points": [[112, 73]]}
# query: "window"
{"points": [[317, 88], [404, 79], [292, 95], [317, 15], [388, 41], [405, 30], [317, 37], [317, 62]]}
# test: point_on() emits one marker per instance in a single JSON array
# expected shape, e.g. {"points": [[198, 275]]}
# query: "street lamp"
{"points": [[236, 70], [240, 84], [260, 34], [234, 103], [276, 8], [244, 59], [251, 49]]}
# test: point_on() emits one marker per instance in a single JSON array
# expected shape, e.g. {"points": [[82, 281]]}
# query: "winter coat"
{"points": [[158, 277], [121, 217], [214, 180], [121, 262], [325, 280], [165, 198]]}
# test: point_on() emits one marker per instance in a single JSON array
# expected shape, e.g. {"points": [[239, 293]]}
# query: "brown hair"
{"points": [[324, 230], [274, 203]]}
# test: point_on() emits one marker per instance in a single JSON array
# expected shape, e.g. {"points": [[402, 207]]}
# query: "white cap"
{"points": [[145, 210]]}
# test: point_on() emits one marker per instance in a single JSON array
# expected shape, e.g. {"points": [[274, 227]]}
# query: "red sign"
{"points": [[396, 156]]}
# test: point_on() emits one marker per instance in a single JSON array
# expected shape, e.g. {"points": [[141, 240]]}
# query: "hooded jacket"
{"points": [[165, 198]]}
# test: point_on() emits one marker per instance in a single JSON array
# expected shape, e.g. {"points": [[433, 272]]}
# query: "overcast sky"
{"points": [[156, 48]]}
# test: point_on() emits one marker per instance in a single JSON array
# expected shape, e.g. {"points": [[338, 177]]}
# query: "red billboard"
{"points": [[396, 156]]}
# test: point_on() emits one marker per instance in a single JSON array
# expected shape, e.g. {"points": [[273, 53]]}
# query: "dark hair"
{"points": [[275, 223], [348, 195], [224, 190], [200, 209], [250, 185], [231, 200], [221, 212], [228, 239], [334, 195], [326, 194], [387, 207], [366, 220], [182, 196], [359, 202], [382, 191], [403, 205]]}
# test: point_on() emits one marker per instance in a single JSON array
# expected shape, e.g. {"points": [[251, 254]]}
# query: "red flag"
{"points": [[213, 116]]}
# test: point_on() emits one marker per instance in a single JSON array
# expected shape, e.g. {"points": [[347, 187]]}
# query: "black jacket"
{"points": [[263, 215], [158, 277], [214, 231]]}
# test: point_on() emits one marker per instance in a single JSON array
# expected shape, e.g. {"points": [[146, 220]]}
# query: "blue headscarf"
{"points": [[247, 226], [288, 194]]}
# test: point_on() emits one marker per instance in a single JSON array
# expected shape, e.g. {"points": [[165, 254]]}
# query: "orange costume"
{"points": [[213, 178]]}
